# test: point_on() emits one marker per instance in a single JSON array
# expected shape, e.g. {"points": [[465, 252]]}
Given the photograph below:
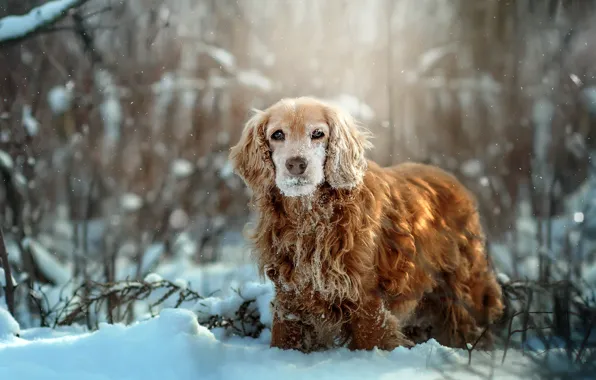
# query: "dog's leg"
{"points": [[460, 329], [289, 333], [473, 304], [458, 326], [286, 334], [374, 326]]}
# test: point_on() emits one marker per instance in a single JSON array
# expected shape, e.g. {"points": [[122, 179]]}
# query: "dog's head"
{"points": [[299, 144]]}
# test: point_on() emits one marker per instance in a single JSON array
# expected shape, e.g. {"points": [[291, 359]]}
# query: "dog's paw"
{"points": [[418, 334], [395, 339]]}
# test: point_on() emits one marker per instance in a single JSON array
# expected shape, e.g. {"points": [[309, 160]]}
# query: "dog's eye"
{"points": [[317, 134], [278, 135]]}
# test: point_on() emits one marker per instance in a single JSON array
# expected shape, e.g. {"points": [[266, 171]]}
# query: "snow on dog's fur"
{"points": [[360, 255]]}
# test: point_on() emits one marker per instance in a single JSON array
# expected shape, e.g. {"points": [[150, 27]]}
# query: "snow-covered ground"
{"points": [[174, 346], [173, 343]]}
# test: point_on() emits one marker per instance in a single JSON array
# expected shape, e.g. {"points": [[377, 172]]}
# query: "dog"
{"points": [[361, 256]]}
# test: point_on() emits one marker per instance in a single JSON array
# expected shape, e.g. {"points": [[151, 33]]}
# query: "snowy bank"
{"points": [[15, 27], [174, 346]]}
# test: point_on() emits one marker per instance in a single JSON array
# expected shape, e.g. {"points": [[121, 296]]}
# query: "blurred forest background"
{"points": [[115, 125]]}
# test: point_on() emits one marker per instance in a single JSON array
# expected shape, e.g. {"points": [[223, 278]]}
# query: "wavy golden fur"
{"points": [[372, 257]]}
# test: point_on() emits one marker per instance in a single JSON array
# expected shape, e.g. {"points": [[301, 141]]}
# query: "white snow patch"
{"points": [[430, 58], [14, 253], [60, 98], [131, 202], [181, 283], [223, 57], [179, 219], [31, 125], [227, 306], [578, 82], [8, 326], [125, 285], [255, 79], [354, 106], [182, 168], [227, 170], [472, 168], [20, 180], [47, 263], [165, 88], [3, 279], [6, 161], [503, 278], [12, 27], [110, 110], [111, 113], [153, 278], [578, 217], [174, 346]]}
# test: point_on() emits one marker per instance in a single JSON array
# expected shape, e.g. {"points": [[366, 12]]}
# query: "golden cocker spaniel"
{"points": [[360, 255]]}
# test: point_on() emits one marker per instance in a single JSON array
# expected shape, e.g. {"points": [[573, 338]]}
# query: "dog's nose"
{"points": [[296, 165]]}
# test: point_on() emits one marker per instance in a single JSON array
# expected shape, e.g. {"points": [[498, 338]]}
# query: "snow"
{"points": [[578, 217], [182, 168], [254, 79], [181, 283], [472, 168], [227, 307], [503, 278], [174, 346], [110, 110], [173, 343], [578, 82], [179, 219], [31, 125], [8, 326], [111, 113], [227, 171], [51, 268], [3, 279], [131, 202], [165, 88], [5, 160], [60, 98], [431, 57], [13, 27], [354, 106], [223, 57], [153, 278]]}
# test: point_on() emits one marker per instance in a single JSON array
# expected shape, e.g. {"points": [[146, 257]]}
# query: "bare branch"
{"points": [[7, 274]]}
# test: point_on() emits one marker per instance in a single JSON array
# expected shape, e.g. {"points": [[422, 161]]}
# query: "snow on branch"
{"points": [[17, 28]]}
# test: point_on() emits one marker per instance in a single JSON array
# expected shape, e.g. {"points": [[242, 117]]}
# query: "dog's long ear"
{"points": [[251, 158], [346, 163]]}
